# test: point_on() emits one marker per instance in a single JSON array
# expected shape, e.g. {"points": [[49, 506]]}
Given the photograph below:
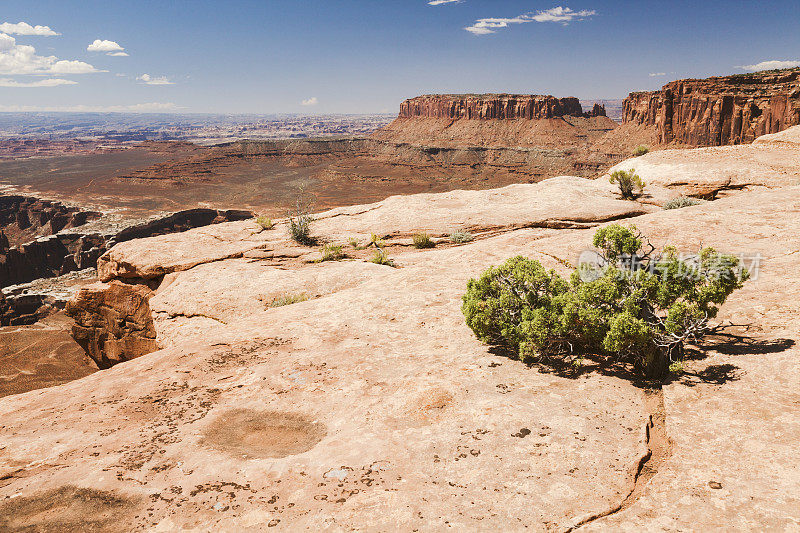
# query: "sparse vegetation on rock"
{"points": [[682, 201], [375, 241], [640, 150], [423, 240], [288, 299], [300, 219], [630, 184], [332, 252], [633, 307], [265, 223], [380, 258], [461, 237]]}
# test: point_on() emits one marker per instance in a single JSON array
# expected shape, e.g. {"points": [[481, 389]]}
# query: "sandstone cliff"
{"points": [[539, 136], [494, 106], [720, 110]]}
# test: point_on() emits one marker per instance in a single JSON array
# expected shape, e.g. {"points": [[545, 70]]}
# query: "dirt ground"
{"points": [[41, 355]]}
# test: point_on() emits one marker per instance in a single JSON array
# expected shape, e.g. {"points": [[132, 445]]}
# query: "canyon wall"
{"points": [[67, 251], [719, 111], [494, 106], [24, 218]]}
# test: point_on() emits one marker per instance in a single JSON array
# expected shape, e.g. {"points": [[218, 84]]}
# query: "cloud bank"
{"points": [[771, 64], [440, 2], [562, 15], [310, 101], [21, 59], [50, 82], [23, 28], [149, 107]]}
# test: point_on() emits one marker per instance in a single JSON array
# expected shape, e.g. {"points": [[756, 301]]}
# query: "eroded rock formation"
{"points": [[494, 106], [719, 111], [113, 322], [531, 137], [23, 218], [57, 251]]}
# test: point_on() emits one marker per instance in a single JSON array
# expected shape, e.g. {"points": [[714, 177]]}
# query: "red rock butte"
{"points": [[719, 111], [494, 106]]}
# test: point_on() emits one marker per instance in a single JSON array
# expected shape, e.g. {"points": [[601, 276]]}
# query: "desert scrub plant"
{"points": [[288, 299], [461, 237], [265, 223], [355, 243], [300, 218], [331, 252], [379, 257], [676, 367], [633, 308], [640, 150], [422, 240], [630, 184], [681, 201], [375, 241]]}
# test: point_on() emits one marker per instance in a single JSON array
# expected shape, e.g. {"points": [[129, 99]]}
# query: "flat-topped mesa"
{"points": [[721, 110], [494, 106]]}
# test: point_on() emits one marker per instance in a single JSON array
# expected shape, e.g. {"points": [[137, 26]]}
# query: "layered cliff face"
{"points": [[719, 111], [494, 106], [528, 137], [24, 218]]}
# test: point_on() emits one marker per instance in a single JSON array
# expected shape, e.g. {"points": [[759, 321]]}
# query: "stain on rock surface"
{"points": [[66, 509], [263, 435]]}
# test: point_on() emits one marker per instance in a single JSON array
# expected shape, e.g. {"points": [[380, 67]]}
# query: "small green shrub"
{"points": [[300, 229], [640, 150], [681, 201], [355, 243], [331, 252], [288, 299], [635, 308], [265, 223], [300, 218], [375, 241], [630, 184], [380, 258], [676, 367], [423, 240], [461, 237]]}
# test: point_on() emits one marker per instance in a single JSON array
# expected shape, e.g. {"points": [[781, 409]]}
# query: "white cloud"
{"points": [[111, 48], [563, 15], [310, 101], [772, 64], [150, 107], [440, 2], [147, 79], [23, 28], [50, 82], [655, 74], [16, 59]]}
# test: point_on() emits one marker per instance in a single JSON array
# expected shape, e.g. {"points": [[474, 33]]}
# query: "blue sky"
{"points": [[360, 56]]}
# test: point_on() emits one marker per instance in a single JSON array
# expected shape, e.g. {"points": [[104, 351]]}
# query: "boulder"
{"points": [[113, 322]]}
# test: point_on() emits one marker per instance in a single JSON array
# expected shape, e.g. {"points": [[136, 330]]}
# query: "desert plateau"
{"points": [[263, 310]]}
